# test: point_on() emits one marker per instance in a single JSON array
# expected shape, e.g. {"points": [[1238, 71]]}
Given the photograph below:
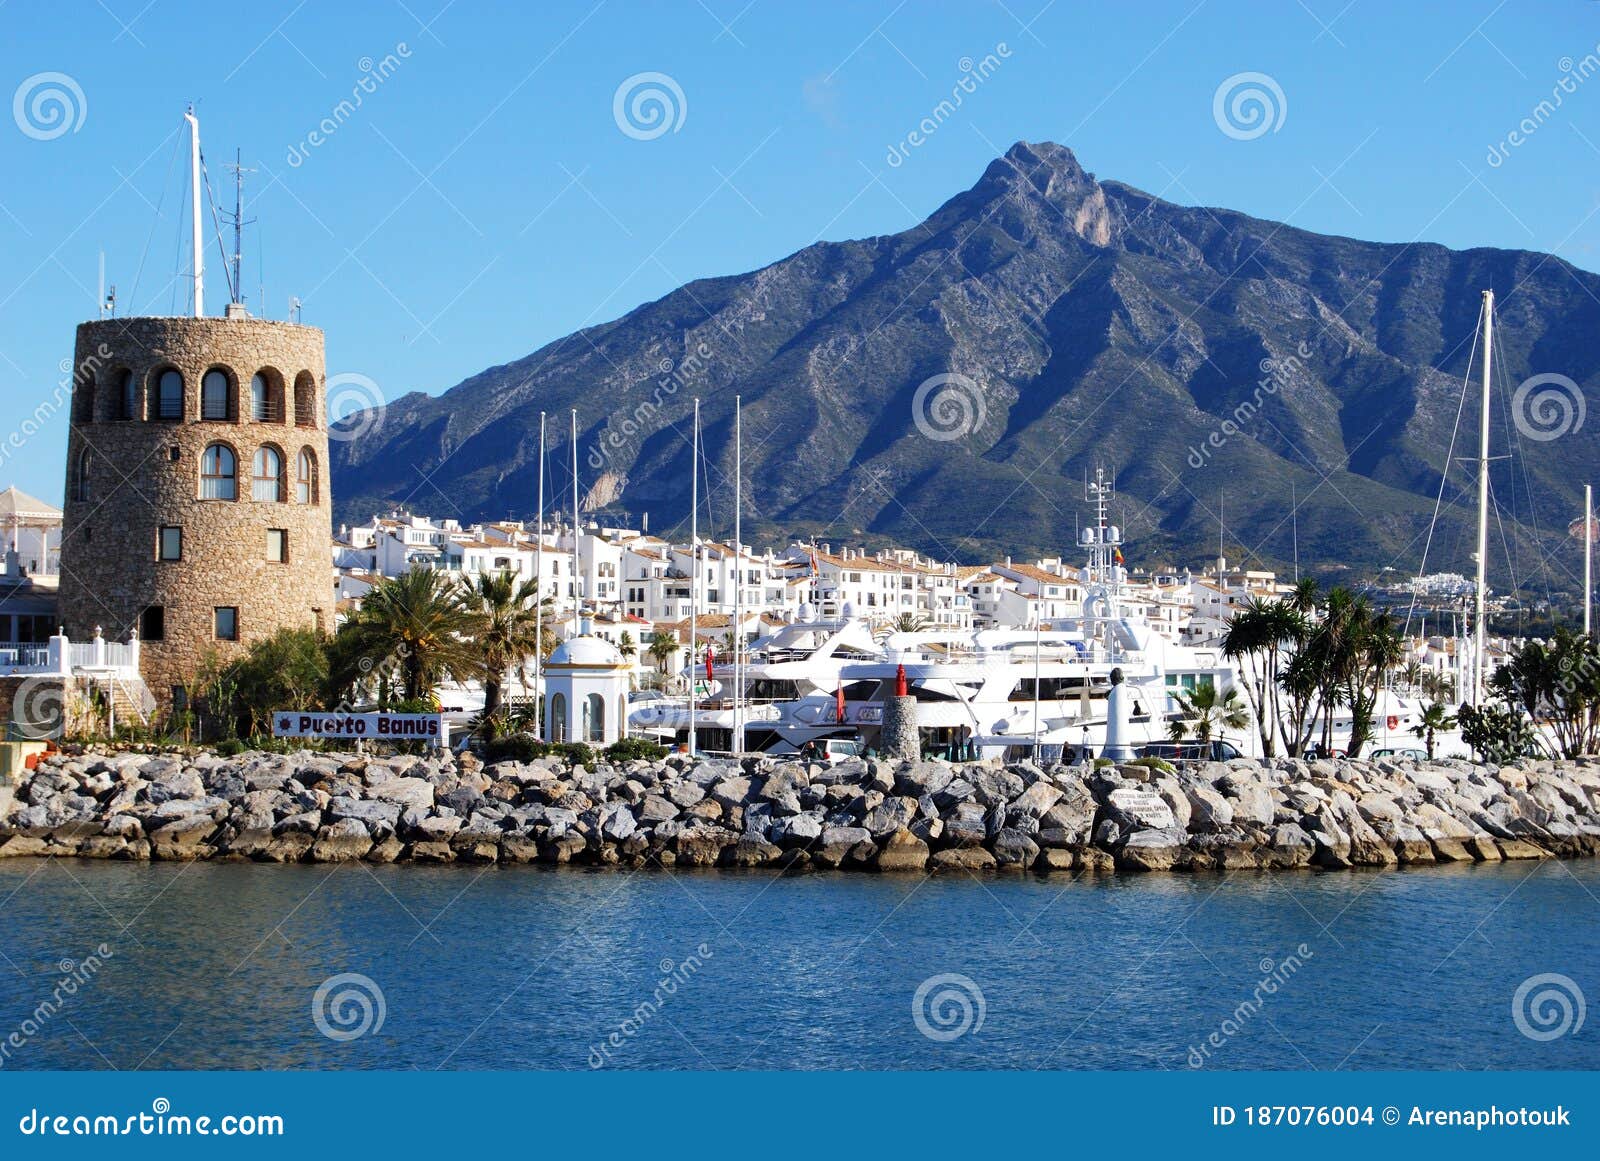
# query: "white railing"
{"points": [[62, 656]]}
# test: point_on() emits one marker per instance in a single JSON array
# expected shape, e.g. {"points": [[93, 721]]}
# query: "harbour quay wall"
{"points": [[314, 806]]}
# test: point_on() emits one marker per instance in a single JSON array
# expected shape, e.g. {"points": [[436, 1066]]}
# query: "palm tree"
{"points": [[1435, 717], [661, 647], [1304, 596], [625, 644], [413, 625], [1211, 713], [504, 625], [908, 622]]}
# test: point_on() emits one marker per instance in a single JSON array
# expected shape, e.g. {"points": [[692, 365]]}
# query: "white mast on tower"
{"points": [[194, 216]]}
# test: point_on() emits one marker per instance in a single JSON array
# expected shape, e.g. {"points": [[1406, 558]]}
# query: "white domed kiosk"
{"points": [[586, 692]]}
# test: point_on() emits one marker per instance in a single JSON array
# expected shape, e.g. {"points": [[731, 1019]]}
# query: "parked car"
{"points": [[1403, 753], [1215, 751]]}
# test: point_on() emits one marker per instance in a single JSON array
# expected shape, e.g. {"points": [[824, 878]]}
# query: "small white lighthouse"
{"points": [[586, 692]]}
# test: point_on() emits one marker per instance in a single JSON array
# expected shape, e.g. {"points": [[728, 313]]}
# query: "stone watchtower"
{"points": [[197, 511]]}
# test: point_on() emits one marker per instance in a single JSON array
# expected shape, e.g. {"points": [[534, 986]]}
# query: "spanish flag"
{"points": [[1116, 555]]}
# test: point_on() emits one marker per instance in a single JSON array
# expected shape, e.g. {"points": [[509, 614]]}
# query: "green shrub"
{"points": [[1102, 763], [576, 753], [515, 748], [629, 749], [230, 747]]}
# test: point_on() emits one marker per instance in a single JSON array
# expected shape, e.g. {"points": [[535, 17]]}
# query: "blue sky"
{"points": [[484, 199]]}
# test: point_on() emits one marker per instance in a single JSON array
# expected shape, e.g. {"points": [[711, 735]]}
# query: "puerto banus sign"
{"points": [[374, 727]]}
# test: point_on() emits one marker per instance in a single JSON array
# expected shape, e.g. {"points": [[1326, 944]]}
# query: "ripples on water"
{"points": [[216, 965]]}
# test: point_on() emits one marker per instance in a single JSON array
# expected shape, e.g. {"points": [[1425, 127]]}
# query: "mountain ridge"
{"points": [[1083, 322]]}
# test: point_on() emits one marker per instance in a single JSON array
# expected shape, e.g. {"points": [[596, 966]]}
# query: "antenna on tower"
{"points": [[239, 223], [294, 309]]}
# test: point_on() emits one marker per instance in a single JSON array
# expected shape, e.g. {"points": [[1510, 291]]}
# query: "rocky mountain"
{"points": [[949, 387]]}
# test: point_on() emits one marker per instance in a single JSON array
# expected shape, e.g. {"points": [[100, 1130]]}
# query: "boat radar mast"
{"points": [[1103, 590]]}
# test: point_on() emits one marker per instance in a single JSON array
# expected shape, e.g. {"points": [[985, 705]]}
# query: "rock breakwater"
{"points": [[761, 812]]}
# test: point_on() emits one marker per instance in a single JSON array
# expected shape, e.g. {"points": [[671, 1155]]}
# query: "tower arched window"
{"points": [[305, 400], [169, 395], [80, 476], [266, 482], [305, 477], [216, 395], [219, 473], [266, 398], [127, 401]]}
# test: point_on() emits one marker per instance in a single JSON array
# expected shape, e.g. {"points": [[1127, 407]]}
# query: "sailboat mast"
{"points": [[194, 216], [1478, 657], [538, 589], [577, 586], [1588, 556], [738, 578], [694, 567]]}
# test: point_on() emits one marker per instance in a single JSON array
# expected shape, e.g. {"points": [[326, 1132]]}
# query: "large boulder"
{"points": [[1209, 811], [1150, 850], [1013, 848], [408, 793], [995, 785], [1139, 810], [901, 851], [342, 841], [918, 778], [1037, 799]]}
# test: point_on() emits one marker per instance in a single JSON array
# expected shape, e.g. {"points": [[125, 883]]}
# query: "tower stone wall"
{"points": [[134, 466]]}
